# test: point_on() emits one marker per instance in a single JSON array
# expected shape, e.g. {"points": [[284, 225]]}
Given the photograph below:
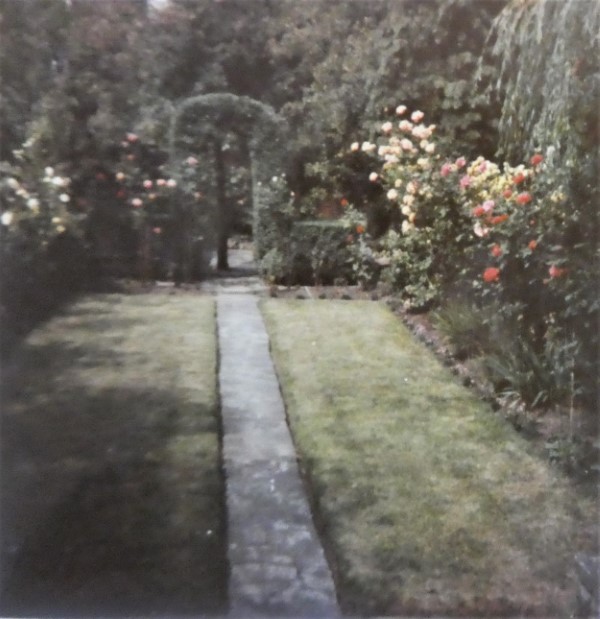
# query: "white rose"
{"points": [[373, 176], [354, 146], [392, 194], [387, 127], [406, 227], [64, 197], [400, 110], [6, 218]]}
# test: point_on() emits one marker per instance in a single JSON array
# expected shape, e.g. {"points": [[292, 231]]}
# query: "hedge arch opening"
{"points": [[207, 120]]}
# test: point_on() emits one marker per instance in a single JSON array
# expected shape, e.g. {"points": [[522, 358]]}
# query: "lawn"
{"points": [[427, 501], [112, 492]]}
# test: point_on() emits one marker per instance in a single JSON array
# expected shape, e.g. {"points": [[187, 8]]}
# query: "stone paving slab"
{"points": [[278, 567]]}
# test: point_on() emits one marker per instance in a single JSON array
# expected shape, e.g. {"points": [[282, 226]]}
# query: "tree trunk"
{"points": [[223, 208]]}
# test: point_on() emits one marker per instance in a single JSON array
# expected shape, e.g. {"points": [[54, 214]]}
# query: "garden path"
{"points": [[277, 564]]}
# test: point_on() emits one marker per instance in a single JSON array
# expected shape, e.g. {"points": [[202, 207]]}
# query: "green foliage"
{"points": [[462, 324], [539, 378], [212, 117], [42, 247], [516, 242]]}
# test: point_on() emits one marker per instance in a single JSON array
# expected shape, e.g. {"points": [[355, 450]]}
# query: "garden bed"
{"points": [[428, 502], [112, 493]]}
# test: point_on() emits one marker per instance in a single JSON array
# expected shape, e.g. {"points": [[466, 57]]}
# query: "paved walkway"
{"points": [[277, 564]]}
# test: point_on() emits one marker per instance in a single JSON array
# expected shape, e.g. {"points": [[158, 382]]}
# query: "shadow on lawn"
{"points": [[112, 498]]}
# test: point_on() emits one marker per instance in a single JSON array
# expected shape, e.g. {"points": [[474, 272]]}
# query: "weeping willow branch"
{"points": [[548, 52]]}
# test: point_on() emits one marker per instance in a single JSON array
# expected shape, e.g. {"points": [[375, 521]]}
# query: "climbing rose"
{"points": [[148, 184], [6, 218], [496, 251], [360, 229], [157, 230], [507, 193], [488, 205], [401, 109], [498, 219], [524, 198], [161, 182], [344, 202], [417, 116], [405, 125], [392, 194], [519, 178], [406, 144], [191, 161], [491, 274], [430, 149], [368, 147], [171, 182], [537, 159], [555, 271], [132, 137], [64, 197], [465, 181], [354, 146], [373, 176], [461, 162], [120, 176], [479, 211], [532, 244], [136, 202], [387, 127]]}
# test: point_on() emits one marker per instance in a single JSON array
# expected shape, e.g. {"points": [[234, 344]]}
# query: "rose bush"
{"points": [[513, 239], [42, 247]]}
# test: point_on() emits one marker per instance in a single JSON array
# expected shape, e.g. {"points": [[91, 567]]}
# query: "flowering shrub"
{"points": [[41, 244], [514, 238]]}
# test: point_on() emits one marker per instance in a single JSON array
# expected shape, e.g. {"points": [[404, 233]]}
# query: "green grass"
{"points": [[112, 493], [428, 502]]}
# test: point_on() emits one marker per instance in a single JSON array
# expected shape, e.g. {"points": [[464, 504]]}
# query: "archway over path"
{"points": [[208, 120]]}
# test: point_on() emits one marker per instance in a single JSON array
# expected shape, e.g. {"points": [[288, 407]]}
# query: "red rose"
{"points": [[537, 159], [360, 229], [524, 198], [491, 274], [532, 244], [519, 178], [496, 251], [498, 219], [478, 211], [555, 271], [507, 193]]}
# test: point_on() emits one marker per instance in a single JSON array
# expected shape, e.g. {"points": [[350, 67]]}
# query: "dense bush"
{"points": [[43, 257], [513, 240]]}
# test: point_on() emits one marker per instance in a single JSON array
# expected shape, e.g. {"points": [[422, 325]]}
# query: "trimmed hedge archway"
{"points": [[210, 118]]}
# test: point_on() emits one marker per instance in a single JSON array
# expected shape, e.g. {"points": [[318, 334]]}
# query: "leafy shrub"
{"points": [[519, 242], [316, 252], [462, 324], [43, 254]]}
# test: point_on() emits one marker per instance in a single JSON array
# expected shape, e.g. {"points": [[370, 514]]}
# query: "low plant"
{"points": [[461, 324]]}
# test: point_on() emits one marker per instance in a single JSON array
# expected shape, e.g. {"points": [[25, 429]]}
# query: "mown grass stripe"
{"points": [[430, 502]]}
